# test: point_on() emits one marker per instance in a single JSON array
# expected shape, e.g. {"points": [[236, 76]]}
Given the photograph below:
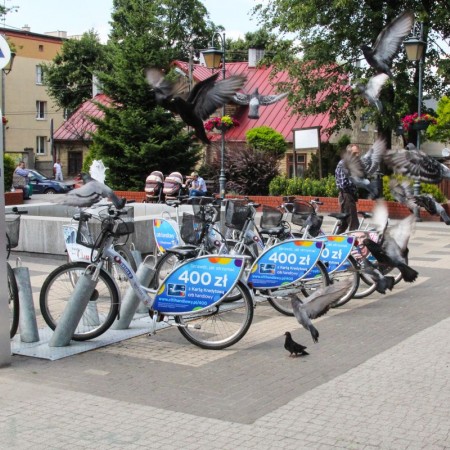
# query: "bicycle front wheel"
{"points": [[101, 310], [220, 326], [280, 299], [351, 273], [13, 301]]}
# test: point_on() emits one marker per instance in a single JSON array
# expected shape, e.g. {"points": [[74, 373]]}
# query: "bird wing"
{"points": [[380, 216], [373, 158], [208, 95], [269, 99], [166, 88], [402, 193], [401, 232], [353, 165], [241, 99], [374, 85], [392, 36], [427, 202]]}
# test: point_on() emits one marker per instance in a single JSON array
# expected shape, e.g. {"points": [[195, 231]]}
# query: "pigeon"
{"points": [[388, 43], [317, 304], [383, 282], [361, 168], [417, 165], [197, 105], [255, 100], [402, 193], [392, 251], [90, 193], [371, 90], [294, 348], [433, 207]]}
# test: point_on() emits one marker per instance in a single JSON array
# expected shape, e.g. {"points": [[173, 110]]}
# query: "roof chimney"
{"points": [[26, 28], [254, 56]]}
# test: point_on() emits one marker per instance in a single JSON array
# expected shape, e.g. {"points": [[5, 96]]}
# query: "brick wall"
{"points": [[14, 198]]}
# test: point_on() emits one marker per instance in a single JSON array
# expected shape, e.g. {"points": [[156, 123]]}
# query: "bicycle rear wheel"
{"points": [[13, 301], [220, 326], [341, 276], [280, 299], [102, 308]]}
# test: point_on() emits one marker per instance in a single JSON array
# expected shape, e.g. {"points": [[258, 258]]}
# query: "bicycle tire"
{"points": [[165, 264], [13, 301], [282, 303], [8, 246], [101, 310], [343, 275], [221, 326]]}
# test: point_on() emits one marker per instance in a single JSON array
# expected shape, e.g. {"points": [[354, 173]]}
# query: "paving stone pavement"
{"points": [[379, 378]]}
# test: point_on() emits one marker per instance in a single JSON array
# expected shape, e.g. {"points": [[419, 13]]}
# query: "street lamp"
{"points": [[213, 57], [414, 47]]}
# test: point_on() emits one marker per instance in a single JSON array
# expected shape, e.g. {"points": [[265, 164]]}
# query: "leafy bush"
{"points": [[425, 188], [8, 166], [326, 187], [267, 140]]}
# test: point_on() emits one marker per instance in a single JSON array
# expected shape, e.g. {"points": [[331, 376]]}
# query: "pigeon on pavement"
{"points": [[388, 43], [255, 100], [371, 90], [294, 348], [90, 193], [317, 304], [197, 105], [429, 203]]}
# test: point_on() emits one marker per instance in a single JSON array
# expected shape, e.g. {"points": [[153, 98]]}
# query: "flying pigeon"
{"points": [[383, 282], [361, 168], [417, 165], [317, 304], [90, 193], [429, 203], [388, 43], [402, 193], [197, 105], [371, 90], [294, 348], [393, 249], [255, 100]]}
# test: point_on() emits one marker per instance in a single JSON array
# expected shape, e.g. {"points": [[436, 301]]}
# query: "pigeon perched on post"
{"points": [[317, 304], [90, 193], [429, 203], [294, 348], [197, 105], [371, 90], [388, 43], [255, 100]]}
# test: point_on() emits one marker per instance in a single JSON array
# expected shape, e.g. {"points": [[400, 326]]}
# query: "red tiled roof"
{"points": [[277, 116], [78, 127]]}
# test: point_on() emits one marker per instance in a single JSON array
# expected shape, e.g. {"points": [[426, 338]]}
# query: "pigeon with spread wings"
{"points": [[371, 90], [197, 105], [388, 43], [255, 100], [429, 203]]}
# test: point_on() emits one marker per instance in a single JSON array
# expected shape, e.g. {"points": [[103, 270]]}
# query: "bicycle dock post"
{"points": [[73, 312], [137, 255], [131, 303], [27, 317]]}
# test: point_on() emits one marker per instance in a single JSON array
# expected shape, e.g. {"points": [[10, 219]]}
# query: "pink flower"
{"points": [[408, 120]]}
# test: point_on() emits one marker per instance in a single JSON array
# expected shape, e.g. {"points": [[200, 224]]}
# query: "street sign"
{"points": [[5, 52]]}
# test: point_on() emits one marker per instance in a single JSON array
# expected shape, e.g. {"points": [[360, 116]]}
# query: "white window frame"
{"points": [[41, 145], [39, 75], [41, 110]]}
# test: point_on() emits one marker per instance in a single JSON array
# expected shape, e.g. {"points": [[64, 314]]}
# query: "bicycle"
{"points": [[192, 294]]}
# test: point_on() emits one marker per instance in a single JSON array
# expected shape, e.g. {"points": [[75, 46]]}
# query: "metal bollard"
{"points": [[73, 312], [27, 317], [131, 301]]}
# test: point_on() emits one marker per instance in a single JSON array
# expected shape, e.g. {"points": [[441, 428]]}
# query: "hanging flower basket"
{"points": [[4, 120], [416, 122], [223, 123]]}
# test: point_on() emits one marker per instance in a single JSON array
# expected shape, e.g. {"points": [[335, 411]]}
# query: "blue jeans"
{"points": [[196, 193]]}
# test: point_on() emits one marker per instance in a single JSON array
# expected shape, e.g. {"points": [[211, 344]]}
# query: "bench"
{"points": [[212, 187]]}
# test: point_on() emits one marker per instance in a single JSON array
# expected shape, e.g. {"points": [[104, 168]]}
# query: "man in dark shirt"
{"points": [[348, 194]]}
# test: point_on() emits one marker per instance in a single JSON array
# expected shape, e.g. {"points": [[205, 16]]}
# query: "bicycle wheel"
{"points": [[13, 301], [280, 299], [102, 308], [341, 276], [165, 264], [8, 246], [220, 326]]}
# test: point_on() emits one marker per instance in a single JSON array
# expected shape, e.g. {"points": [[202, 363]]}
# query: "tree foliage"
{"points": [[441, 131], [326, 47], [268, 140]]}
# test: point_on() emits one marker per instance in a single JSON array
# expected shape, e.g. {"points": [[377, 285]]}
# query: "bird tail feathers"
{"points": [[314, 333], [408, 273]]}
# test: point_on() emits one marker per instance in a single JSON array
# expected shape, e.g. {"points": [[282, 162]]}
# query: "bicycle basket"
{"points": [[122, 225], [12, 229], [301, 211], [191, 229], [271, 217], [236, 214]]}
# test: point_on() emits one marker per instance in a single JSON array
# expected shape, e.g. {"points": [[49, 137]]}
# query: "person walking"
{"points": [[57, 170], [198, 186], [348, 193], [20, 180]]}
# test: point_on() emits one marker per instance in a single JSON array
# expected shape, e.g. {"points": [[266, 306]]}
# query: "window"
{"points": [[39, 75], [41, 109], [41, 48], [301, 164], [41, 145]]}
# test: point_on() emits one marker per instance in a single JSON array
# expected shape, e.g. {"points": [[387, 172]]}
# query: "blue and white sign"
{"points": [[337, 250], [166, 234], [197, 284], [5, 53], [284, 263]]}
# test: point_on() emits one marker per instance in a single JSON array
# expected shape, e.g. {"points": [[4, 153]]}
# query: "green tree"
{"points": [[68, 78], [268, 140], [237, 49], [441, 131], [326, 46]]}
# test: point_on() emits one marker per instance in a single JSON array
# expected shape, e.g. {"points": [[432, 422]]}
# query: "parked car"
{"points": [[43, 185]]}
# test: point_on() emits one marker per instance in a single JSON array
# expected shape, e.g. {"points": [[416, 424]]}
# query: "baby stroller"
{"points": [[173, 186], [154, 187]]}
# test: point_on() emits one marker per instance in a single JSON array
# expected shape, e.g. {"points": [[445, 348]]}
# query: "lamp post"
{"points": [[213, 57]]}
